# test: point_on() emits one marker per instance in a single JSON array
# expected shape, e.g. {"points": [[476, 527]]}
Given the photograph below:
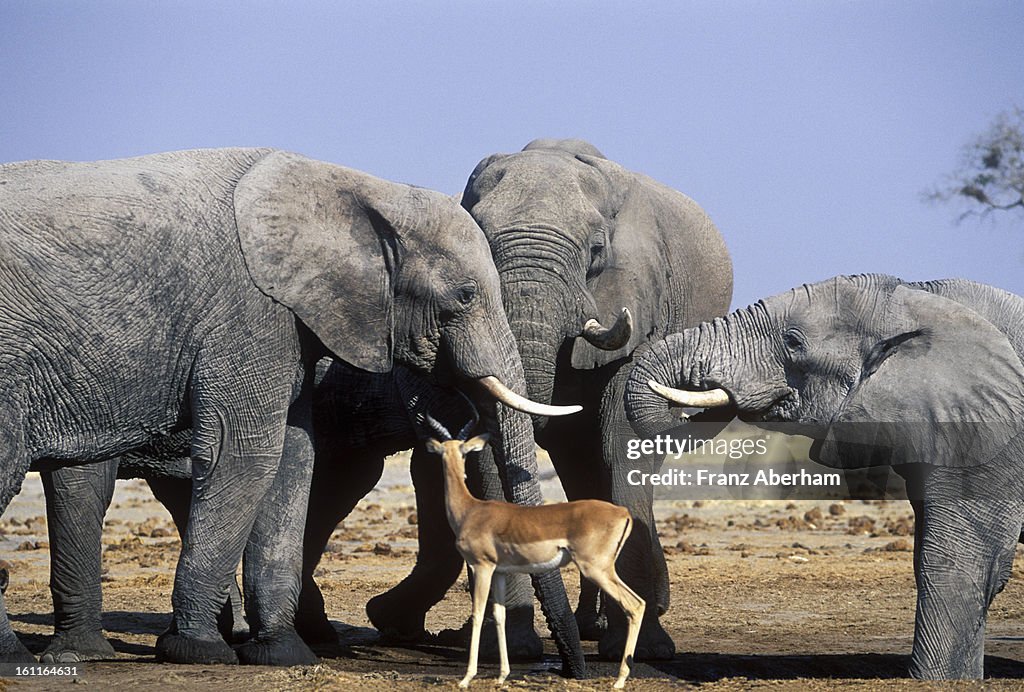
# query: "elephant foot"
{"points": [[592, 626], [653, 644], [280, 649], [77, 645], [175, 648], [13, 651], [320, 635], [523, 642], [396, 623], [232, 625]]}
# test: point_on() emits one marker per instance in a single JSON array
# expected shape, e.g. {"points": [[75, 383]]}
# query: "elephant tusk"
{"points": [[520, 403], [609, 339], [709, 399]]}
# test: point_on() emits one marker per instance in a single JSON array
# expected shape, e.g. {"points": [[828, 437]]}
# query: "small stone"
{"points": [[900, 545], [813, 515], [836, 510]]}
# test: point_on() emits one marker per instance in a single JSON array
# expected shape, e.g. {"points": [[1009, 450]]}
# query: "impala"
{"points": [[498, 538]]}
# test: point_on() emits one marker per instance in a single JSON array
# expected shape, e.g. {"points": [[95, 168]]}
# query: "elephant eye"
{"points": [[794, 341], [598, 254], [466, 293]]}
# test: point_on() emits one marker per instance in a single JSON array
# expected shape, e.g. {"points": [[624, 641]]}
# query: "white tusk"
{"points": [[609, 339], [520, 403], [709, 399]]}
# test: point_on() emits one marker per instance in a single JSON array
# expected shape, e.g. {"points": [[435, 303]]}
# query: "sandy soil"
{"points": [[766, 594]]}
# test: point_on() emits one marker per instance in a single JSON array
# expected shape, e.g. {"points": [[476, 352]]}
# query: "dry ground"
{"points": [[766, 594]]}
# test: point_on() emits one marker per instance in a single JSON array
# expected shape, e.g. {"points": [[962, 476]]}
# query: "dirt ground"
{"points": [[766, 594]]}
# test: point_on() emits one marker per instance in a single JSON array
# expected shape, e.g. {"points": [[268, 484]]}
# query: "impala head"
{"points": [[459, 446], [457, 449]]}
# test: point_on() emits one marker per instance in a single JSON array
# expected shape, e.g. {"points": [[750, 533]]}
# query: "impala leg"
{"points": [[630, 603], [481, 587], [499, 622]]}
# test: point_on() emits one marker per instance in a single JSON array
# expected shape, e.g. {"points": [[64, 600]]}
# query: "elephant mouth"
{"points": [[711, 398], [783, 407], [783, 410]]}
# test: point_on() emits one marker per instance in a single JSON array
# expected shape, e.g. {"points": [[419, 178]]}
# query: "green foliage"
{"points": [[990, 176]]}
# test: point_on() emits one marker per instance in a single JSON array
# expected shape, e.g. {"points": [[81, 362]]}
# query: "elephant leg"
{"points": [[576, 454], [399, 614], [239, 414], [14, 463], [338, 484], [272, 569], [966, 556], [641, 564], [175, 494], [77, 497]]}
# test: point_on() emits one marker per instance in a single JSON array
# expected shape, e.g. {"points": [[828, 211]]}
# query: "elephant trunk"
{"points": [[726, 362], [516, 456], [540, 327], [663, 363], [539, 367]]}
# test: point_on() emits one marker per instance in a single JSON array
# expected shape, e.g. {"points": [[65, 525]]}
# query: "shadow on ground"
{"points": [[360, 650]]}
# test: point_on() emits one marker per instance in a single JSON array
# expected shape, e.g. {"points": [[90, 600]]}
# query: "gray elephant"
{"points": [[926, 377], [200, 288], [358, 419], [576, 239]]}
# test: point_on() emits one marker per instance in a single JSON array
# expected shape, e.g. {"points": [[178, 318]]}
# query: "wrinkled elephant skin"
{"points": [[927, 377]]}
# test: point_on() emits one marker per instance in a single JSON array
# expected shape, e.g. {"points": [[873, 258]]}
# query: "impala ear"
{"points": [[475, 444], [316, 238], [946, 389], [434, 446]]}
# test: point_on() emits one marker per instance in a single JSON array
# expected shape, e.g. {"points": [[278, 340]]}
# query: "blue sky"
{"points": [[806, 129]]}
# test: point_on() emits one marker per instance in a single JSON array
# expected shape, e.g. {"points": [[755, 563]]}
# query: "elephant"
{"points": [[579, 241], [359, 418], [199, 289], [924, 377]]}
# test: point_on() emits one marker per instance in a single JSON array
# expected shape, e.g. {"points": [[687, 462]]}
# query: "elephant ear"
{"points": [[645, 263], [947, 389], [315, 238]]}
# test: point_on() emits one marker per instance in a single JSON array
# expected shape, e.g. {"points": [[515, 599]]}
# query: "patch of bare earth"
{"points": [[765, 595]]}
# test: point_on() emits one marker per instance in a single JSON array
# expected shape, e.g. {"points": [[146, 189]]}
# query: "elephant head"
{"points": [[878, 371], [579, 243]]}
